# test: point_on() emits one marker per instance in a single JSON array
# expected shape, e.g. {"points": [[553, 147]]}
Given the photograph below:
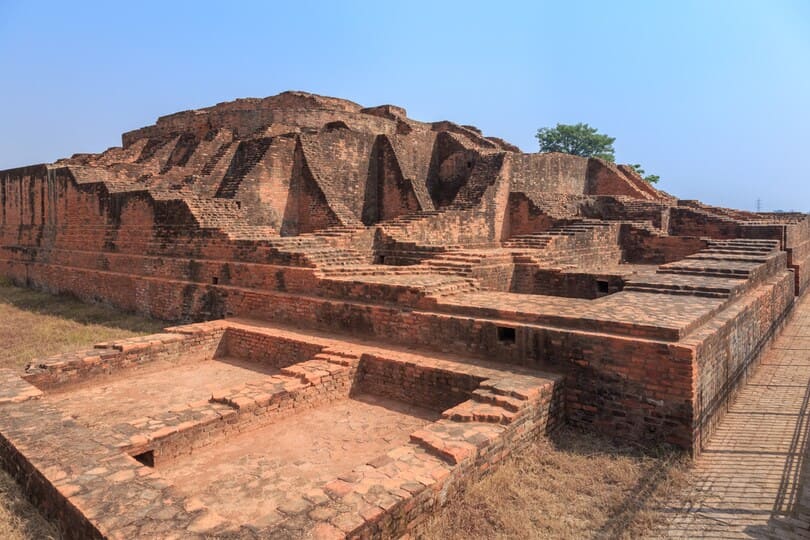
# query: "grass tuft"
{"points": [[571, 485]]}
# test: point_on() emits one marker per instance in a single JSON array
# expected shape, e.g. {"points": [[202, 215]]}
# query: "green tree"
{"points": [[577, 139], [651, 178]]}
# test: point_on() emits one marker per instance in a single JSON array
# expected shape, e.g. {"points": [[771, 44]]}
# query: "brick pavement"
{"points": [[751, 481]]}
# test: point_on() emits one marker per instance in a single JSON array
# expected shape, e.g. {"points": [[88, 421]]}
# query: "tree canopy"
{"points": [[651, 178], [577, 139], [583, 140]]}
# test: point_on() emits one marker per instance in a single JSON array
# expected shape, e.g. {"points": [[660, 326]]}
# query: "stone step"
{"points": [[479, 411], [451, 269], [509, 403], [459, 257], [745, 244], [522, 388], [740, 248], [737, 252], [449, 288], [675, 292], [708, 272], [738, 256], [375, 270]]}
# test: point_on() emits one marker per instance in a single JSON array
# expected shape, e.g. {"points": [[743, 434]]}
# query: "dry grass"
{"points": [[19, 520], [36, 324], [575, 485], [33, 325]]}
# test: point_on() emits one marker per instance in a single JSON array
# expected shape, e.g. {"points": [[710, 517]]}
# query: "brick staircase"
{"points": [[248, 154], [557, 205], [645, 225], [182, 152], [725, 269], [482, 178], [212, 162], [557, 246], [538, 241], [215, 214], [707, 216], [153, 145], [633, 205], [737, 259], [542, 239], [496, 408], [743, 246], [255, 233], [398, 233], [337, 232], [449, 286], [708, 270], [457, 263], [736, 215], [489, 404], [316, 252], [205, 150], [630, 210], [684, 285], [402, 222]]}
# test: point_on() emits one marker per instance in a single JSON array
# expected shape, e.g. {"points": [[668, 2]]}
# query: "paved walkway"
{"points": [[752, 479]]}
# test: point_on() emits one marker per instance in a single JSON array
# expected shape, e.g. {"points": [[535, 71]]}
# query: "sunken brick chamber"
{"points": [[421, 296]]}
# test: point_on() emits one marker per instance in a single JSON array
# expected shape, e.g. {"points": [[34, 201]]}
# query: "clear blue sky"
{"points": [[712, 96]]}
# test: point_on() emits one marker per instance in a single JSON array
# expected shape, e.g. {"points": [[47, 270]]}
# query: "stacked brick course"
{"points": [[645, 312]]}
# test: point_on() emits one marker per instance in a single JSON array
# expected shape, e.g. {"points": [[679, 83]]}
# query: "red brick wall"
{"points": [[643, 247], [531, 280], [524, 217], [548, 173], [729, 347], [606, 179], [115, 357], [274, 351], [687, 222], [419, 385]]}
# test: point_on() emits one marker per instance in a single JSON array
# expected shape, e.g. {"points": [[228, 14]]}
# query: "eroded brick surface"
{"points": [[328, 251]]}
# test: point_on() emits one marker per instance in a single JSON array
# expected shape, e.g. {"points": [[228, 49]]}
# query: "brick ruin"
{"points": [[374, 310]]}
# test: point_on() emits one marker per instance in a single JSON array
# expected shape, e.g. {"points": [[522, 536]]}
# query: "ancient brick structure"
{"points": [[338, 258]]}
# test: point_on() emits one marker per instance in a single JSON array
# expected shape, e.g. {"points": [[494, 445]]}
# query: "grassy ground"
{"points": [[573, 485], [34, 325]]}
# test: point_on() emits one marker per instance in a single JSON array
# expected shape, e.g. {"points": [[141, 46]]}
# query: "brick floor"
{"points": [[253, 476], [752, 479]]}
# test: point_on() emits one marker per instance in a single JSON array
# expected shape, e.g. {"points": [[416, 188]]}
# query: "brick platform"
{"points": [[752, 479], [531, 288], [393, 433]]}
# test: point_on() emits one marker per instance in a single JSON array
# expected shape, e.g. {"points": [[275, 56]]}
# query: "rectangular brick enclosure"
{"points": [[373, 311]]}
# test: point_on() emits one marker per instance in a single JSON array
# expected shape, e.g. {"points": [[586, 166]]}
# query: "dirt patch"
{"points": [[575, 485]]}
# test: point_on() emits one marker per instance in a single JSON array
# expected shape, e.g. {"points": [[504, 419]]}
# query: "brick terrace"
{"points": [[319, 238], [346, 438], [751, 481]]}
